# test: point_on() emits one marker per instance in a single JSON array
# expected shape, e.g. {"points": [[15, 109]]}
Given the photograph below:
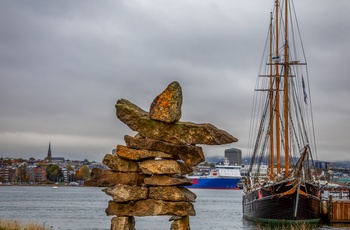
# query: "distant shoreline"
{"points": [[41, 185]]}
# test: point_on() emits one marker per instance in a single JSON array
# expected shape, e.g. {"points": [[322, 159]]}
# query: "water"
{"points": [[84, 208]]}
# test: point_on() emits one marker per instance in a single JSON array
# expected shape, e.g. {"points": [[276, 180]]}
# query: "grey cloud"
{"points": [[63, 64]]}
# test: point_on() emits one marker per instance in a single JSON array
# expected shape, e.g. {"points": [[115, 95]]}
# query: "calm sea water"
{"points": [[84, 208]]}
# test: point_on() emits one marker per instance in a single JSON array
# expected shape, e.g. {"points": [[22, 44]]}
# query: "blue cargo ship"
{"points": [[222, 177]]}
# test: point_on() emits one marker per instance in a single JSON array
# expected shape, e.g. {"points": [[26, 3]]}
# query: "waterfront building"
{"points": [[7, 174], [36, 174], [57, 160], [234, 156]]}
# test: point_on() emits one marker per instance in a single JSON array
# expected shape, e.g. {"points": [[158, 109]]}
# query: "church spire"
{"points": [[49, 156]]}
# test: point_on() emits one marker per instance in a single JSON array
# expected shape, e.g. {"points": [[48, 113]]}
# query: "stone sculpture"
{"points": [[146, 176]]}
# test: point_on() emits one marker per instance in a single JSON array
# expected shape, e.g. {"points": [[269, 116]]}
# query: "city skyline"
{"points": [[49, 156]]}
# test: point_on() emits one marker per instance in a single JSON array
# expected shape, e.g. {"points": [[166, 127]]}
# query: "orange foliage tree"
{"points": [[83, 173]]}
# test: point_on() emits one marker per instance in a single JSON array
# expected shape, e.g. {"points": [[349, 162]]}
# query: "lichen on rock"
{"points": [[166, 107]]}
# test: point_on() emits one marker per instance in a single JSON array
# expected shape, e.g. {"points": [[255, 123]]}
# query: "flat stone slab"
{"points": [[185, 133], [118, 164], [125, 193], [164, 167], [165, 180], [190, 154], [140, 154], [150, 207], [171, 193], [108, 178]]}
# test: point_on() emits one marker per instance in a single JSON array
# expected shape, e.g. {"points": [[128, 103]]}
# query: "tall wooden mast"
{"points": [[285, 89], [277, 106], [271, 164]]}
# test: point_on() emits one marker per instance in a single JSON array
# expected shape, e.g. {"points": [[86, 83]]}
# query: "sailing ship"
{"points": [[282, 135]]}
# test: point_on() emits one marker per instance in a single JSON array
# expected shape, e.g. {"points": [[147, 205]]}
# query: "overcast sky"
{"points": [[64, 64]]}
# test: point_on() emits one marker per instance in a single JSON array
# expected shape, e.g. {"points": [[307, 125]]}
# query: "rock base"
{"points": [[123, 223]]}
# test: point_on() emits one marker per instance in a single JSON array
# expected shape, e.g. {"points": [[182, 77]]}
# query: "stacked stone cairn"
{"points": [[146, 176]]}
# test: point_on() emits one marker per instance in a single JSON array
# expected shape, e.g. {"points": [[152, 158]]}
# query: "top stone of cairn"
{"points": [[166, 107]]}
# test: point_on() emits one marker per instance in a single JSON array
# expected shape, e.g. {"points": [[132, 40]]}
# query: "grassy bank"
{"points": [[18, 225]]}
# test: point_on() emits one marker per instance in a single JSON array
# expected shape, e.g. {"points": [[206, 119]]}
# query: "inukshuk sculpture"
{"points": [[146, 176]]}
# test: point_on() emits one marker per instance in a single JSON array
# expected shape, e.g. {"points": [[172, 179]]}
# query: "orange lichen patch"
{"points": [[165, 98], [166, 106]]}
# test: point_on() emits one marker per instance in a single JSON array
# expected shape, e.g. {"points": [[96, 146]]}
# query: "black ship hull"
{"points": [[282, 202]]}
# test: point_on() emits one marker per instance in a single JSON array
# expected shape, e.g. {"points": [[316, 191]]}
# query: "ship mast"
{"points": [[271, 104], [278, 136], [285, 111], [285, 89]]}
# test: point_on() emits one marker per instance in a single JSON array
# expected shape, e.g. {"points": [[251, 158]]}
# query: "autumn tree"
{"points": [[83, 173]]}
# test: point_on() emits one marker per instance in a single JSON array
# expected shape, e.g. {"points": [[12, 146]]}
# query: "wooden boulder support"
{"points": [[145, 176]]}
